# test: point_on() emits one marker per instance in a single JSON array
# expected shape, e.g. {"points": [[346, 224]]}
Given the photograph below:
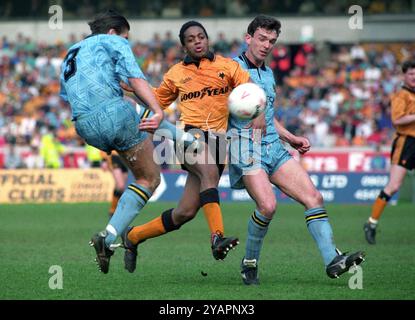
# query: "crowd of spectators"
{"points": [[336, 95], [341, 98]]}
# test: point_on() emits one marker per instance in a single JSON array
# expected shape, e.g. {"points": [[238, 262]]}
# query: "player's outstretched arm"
{"points": [[144, 92], [301, 144], [404, 120], [126, 87]]}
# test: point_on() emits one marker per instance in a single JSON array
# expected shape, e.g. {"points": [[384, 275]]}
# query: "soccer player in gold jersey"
{"points": [[202, 83], [403, 147]]}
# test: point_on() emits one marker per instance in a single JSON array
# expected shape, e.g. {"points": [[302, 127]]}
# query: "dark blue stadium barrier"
{"points": [[353, 188]]}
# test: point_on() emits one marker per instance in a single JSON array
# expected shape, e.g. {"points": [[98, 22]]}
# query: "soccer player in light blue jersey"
{"points": [[90, 82], [273, 165]]}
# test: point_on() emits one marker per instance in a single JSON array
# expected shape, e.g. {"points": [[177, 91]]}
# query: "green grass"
{"points": [[35, 237]]}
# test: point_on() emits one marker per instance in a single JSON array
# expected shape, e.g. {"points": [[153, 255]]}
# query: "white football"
{"points": [[247, 101]]}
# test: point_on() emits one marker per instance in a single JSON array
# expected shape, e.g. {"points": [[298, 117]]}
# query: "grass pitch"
{"points": [[35, 237]]}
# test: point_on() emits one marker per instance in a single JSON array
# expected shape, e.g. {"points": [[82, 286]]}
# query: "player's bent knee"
{"points": [[267, 208], [186, 214], [150, 182], [314, 199], [393, 188], [181, 216]]}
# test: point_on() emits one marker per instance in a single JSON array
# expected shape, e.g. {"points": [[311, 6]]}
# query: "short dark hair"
{"points": [[410, 64], [110, 19], [186, 26], [266, 22]]}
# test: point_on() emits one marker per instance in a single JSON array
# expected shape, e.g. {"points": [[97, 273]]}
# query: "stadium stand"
{"points": [[209, 8]]}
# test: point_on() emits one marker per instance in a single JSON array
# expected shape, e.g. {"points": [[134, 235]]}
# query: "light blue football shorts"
{"points": [[111, 127], [245, 158]]}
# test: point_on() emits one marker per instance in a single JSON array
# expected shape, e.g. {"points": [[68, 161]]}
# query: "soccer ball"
{"points": [[247, 101]]}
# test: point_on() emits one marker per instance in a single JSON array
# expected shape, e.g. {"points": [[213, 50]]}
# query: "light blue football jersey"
{"points": [[264, 77], [92, 70]]}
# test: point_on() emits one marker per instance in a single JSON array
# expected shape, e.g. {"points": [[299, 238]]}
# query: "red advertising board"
{"points": [[348, 161]]}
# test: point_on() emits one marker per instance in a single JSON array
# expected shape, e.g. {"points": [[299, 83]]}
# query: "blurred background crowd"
{"points": [[336, 95], [208, 8]]}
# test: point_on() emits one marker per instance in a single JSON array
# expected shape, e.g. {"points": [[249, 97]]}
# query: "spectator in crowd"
{"points": [[94, 156], [13, 160], [236, 8], [221, 46], [33, 160], [51, 150], [280, 63]]}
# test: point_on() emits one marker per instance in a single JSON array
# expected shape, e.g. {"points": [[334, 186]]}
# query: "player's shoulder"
{"points": [[268, 69], [175, 69], [403, 94], [113, 38], [408, 93], [241, 61], [109, 40], [238, 59], [178, 65], [175, 73]]}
